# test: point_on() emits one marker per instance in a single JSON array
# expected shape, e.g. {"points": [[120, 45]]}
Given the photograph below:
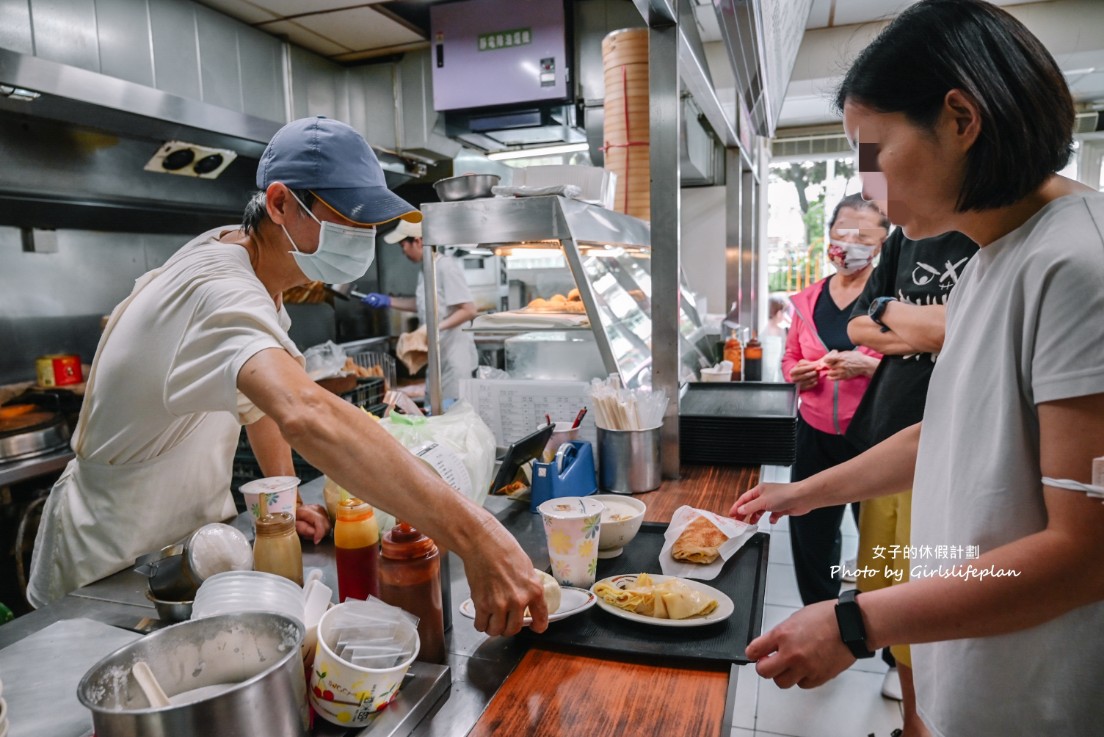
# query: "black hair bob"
{"points": [[1027, 113]]}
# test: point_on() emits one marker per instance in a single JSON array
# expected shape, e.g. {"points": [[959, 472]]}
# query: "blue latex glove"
{"points": [[376, 299]]}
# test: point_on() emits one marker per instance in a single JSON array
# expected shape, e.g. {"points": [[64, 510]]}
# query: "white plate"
{"points": [[722, 612], [572, 601]]}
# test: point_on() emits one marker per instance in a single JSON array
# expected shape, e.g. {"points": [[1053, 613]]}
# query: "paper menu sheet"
{"points": [[514, 408]]}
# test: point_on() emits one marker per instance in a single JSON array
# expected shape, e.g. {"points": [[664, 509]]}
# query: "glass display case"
{"points": [[585, 285]]}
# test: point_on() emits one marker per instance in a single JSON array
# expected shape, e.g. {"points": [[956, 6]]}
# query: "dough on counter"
{"points": [[699, 542]]}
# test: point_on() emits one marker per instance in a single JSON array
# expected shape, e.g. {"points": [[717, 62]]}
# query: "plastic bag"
{"points": [[461, 431], [325, 360]]}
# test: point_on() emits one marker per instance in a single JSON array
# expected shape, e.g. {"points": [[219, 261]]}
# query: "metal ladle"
{"points": [[345, 291]]}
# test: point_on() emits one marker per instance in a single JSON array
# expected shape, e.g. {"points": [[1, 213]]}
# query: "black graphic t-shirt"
{"points": [[922, 273]]}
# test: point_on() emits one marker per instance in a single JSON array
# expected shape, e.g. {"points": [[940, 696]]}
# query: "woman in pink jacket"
{"points": [[831, 375]]}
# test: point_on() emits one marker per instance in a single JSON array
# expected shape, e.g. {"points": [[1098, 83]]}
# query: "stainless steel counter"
{"points": [[479, 664], [16, 471]]}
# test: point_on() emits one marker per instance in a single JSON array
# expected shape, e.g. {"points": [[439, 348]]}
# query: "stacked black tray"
{"points": [[743, 423]]}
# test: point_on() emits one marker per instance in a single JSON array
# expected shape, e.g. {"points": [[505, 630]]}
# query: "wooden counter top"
{"points": [[557, 694]]}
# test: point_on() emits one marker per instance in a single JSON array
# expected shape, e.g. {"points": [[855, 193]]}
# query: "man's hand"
{"points": [[804, 651], [376, 300], [805, 374], [503, 584], [312, 522]]}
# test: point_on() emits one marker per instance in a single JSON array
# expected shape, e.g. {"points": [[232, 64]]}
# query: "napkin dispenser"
{"points": [[570, 473]]}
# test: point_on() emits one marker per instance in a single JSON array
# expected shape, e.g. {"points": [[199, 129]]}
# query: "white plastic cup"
{"points": [[572, 525], [281, 493]]}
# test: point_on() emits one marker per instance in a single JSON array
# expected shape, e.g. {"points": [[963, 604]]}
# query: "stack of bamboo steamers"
{"points": [[627, 136]]}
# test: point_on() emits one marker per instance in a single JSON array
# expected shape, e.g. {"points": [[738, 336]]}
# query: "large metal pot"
{"points": [[256, 652]]}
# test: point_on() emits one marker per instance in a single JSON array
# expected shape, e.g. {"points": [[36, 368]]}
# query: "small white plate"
{"points": [[722, 612], [572, 601]]}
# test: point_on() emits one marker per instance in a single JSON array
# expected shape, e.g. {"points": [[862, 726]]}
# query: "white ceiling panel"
{"points": [[819, 14], [359, 28], [285, 8], [850, 12], [243, 10], [304, 37]]}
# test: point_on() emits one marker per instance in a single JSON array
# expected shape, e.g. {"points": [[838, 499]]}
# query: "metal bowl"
{"points": [[466, 187], [171, 611]]}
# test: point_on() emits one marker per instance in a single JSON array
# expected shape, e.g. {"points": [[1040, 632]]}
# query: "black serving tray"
{"points": [[743, 579], [744, 423]]}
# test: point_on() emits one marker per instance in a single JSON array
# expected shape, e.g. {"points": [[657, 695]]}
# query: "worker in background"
{"points": [[455, 307]]}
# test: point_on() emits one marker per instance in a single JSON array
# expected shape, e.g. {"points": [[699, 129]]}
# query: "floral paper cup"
{"points": [[280, 494], [346, 694], [571, 526]]}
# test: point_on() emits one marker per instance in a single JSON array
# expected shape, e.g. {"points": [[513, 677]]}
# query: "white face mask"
{"points": [[849, 258], [343, 255]]}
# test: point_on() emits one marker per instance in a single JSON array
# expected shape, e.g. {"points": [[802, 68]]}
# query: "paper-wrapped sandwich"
{"points": [[671, 599], [699, 542]]}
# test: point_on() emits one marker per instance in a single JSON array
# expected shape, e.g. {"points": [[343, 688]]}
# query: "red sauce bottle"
{"points": [[356, 539], [410, 578]]}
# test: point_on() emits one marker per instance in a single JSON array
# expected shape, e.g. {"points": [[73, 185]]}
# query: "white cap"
{"points": [[405, 229]]}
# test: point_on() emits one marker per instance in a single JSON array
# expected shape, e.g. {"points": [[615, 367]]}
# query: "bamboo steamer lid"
{"points": [[625, 46], [626, 126]]}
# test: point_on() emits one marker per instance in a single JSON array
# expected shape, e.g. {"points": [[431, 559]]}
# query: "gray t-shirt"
{"points": [[1025, 325]]}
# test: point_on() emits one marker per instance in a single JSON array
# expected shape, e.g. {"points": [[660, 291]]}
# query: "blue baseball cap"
{"points": [[332, 160]]}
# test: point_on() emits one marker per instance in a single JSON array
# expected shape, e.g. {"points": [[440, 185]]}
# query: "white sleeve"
{"points": [[232, 322], [1066, 326], [451, 284]]}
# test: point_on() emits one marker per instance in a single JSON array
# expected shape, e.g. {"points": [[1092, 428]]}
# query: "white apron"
{"points": [[459, 357], [100, 517]]}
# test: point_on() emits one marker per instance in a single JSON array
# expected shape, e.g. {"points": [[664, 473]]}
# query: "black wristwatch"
{"points": [[877, 309], [852, 630]]}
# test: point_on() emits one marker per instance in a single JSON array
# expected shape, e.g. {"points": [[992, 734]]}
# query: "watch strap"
{"points": [[851, 627], [877, 308]]}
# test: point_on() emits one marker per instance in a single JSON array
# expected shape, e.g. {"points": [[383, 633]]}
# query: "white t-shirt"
{"points": [[155, 444], [1025, 325], [175, 354], [458, 355]]}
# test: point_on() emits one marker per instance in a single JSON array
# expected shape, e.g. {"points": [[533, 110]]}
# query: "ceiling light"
{"points": [[525, 153], [190, 160]]}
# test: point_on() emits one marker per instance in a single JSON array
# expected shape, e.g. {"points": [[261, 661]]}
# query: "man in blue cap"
{"points": [[184, 363]]}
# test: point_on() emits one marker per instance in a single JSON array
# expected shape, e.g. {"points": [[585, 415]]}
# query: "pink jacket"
{"points": [[830, 405]]}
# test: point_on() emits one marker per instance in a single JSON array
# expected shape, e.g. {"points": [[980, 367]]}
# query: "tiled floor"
{"points": [[851, 705]]}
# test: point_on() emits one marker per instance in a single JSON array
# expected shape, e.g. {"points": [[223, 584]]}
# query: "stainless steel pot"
{"points": [[255, 655]]}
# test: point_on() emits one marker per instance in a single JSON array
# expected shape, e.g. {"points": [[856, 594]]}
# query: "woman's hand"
{"points": [[312, 522], [805, 374], [777, 499], [843, 365], [804, 651]]}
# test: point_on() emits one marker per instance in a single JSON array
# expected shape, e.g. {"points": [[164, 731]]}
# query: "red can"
{"points": [[59, 370]]}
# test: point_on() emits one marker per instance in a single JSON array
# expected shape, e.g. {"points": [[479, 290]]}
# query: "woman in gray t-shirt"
{"points": [[961, 119]]}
